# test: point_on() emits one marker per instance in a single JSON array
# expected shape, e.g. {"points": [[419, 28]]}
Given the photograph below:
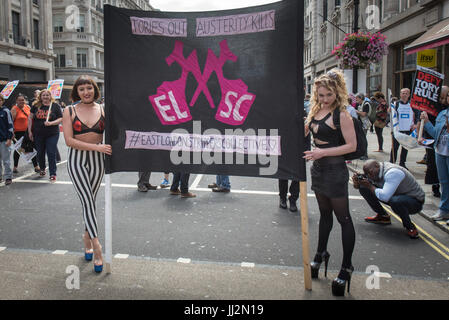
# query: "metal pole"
{"points": [[108, 222]]}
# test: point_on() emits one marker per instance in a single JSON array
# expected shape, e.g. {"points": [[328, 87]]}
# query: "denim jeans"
{"points": [[402, 205], [5, 160], [443, 175], [180, 178], [223, 181], [47, 144]]}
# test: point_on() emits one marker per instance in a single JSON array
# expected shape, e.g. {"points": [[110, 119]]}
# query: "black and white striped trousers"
{"points": [[86, 169]]}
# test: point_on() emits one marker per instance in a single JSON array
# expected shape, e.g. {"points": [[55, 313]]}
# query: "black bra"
{"points": [[325, 133], [80, 128]]}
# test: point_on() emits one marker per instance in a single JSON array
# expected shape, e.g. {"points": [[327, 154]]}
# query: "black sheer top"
{"points": [[325, 133]]}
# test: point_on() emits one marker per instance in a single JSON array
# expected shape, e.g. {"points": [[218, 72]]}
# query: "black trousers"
{"points": [[18, 135], [180, 179], [394, 153], [431, 176], [294, 189]]}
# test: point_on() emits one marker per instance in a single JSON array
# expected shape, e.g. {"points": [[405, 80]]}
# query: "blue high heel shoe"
{"points": [[98, 267], [88, 256]]}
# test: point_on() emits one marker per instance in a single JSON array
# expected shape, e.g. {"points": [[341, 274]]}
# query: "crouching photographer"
{"points": [[393, 185]]}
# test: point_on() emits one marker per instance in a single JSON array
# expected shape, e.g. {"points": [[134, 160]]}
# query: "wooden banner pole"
{"points": [[305, 235]]}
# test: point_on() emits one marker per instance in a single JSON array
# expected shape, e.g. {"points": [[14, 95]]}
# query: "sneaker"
{"points": [[413, 233], [213, 185], [14, 170], [165, 184], [436, 190], [188, 195], [440, 215], [52, 179], [220, 189], [8, 182], [379, 219], [176, 192]]}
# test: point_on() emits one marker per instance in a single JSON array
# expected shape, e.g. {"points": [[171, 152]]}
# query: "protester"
{"points": [[352, 111], [43, 129], [181, 178], [394, 185], [431, 176], [221, 184], [294, 194], [440, 132], [382, 110], [407, 120], [20, 114], [307, 103], [363, 108], [6, 134], [143, 185], [83, 127], [329, 172]]}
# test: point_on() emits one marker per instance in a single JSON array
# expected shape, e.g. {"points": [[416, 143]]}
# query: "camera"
{"points": [[361, 177]]}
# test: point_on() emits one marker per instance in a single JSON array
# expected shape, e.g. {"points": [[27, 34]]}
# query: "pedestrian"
{"points": [[222, 184], [83, 127], [181, 179], [393, 185], [363, 108], [43, 129], [431, 176], [352, 111], [440, 132], [307, 103], [20, 113], [407, 122], [6, 135], [143, 184], [294, 194], [329, 172], [382, 110]]}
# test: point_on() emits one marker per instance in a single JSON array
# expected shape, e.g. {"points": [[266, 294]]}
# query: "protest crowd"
{"points": [[31, 130]]}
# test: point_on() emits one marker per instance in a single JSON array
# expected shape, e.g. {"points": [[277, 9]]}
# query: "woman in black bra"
{"points": [[83, 127], [329, 172]]}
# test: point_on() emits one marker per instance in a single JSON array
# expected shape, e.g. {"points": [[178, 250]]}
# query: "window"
{"points": [[16, 27], [82, 23], [60, 58], [58, 25], [337, 3], [36, 2], [81, 57], [324, 10], [93, 26], [100, 33], [36, 33]]}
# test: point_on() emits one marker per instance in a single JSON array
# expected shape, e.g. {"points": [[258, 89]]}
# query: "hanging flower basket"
{"points": [[361, 49]]}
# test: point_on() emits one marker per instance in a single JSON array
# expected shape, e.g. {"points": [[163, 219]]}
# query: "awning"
{"points": [[437, 36]]}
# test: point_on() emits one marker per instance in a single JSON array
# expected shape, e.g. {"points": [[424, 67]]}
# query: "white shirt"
{"points": [[393, 179], [405, 116]]}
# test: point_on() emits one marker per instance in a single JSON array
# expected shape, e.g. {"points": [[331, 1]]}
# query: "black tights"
{"points": [[341, 208]]}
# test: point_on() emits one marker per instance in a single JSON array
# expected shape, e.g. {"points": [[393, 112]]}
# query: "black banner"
{"points": [[217, 92]]}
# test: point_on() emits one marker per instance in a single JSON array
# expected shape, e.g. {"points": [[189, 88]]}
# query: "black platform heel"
{"points": [[339, 283], [316, 263]]}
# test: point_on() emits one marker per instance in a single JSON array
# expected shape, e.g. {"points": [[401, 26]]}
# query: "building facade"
{"points": [[78, 37], [402, 22], [26, 40]]}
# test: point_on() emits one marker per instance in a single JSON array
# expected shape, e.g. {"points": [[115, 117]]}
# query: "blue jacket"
{"points": [[6, 124], [435, 130]]}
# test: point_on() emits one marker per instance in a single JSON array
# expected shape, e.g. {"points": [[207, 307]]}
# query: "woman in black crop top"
{"points": [[43, 129], [329, 172], [83, 127]]}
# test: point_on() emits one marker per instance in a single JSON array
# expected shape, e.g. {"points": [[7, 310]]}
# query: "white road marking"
{"points": [[183, 260], [60, 252], [34, 173], [196, 181], [247, 265], [121, 256], [133, 186]]}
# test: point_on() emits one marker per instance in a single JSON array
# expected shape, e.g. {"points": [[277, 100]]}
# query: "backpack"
{"points": [[362, 143], [372, 111]]}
